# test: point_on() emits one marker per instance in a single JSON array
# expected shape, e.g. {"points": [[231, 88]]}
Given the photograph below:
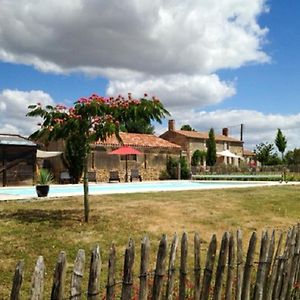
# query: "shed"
{"points": [[17, 160]]}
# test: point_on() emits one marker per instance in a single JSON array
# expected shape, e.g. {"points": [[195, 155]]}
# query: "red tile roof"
{"points": [[139, 140], [248, 152], [204, 135]]}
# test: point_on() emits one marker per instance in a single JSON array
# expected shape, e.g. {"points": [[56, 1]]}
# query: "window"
{"points": [[129, 157]]}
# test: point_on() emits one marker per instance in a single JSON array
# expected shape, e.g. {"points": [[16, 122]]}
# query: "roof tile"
{"points": [[139, 140]]}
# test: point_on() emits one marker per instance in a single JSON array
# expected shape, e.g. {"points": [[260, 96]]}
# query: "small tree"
{"points": [[211, 154], [74, 151], [198, 157], [93, 119], [280, 142], [264, 152], [187, 127], [139, 126]]}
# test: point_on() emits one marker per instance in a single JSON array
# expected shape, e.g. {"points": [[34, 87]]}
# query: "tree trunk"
{"points": [[86, 190]]}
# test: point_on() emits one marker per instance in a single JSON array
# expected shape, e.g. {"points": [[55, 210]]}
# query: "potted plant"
{"points": [[45, 178]]}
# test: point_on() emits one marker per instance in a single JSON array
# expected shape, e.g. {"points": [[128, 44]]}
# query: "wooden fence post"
{"points": [[239, 265], [248, 267], [295, 267], [183, 266], [94, 277], [275, 267], [160, 269], [288, 264], [281, 264], [145, 253], [262, 267], [230, 271], [221, 267], [171, 268], [209, 267], [128, 272], [77, 275], [110, 286], [197, 266], [17, 281], [269, 264], [37, 287], [59, 277]]}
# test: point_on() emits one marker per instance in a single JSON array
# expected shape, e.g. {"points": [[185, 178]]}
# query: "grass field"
{"points": [[45, 227]]}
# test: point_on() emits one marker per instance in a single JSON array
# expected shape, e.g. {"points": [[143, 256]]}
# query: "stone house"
{"points": [[155, 152], [229, 149]]}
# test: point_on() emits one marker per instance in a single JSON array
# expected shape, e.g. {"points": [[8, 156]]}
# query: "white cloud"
{"points": [[258, 127], [178, 90], [13, 109], [142, 45]]}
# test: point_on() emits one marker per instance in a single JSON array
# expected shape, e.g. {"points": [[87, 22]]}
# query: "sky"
{"points": [[213, 64]]}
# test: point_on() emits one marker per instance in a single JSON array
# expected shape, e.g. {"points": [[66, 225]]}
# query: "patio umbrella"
{"points": [[125, 150]]}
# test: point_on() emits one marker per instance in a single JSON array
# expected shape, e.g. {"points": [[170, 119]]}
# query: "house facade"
{"points": [[155, 152], [229, 149]]}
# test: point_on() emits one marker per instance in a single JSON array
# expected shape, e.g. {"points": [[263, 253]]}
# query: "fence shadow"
{"points": [[41, 215]]}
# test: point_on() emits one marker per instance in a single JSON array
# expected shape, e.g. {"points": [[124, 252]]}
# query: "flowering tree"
{"points": [[93, 119]]}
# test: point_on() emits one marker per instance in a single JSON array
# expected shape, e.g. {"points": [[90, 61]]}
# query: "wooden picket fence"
{"points": [[273, 272]]}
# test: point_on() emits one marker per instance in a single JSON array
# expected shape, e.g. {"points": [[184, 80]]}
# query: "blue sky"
{"points": [[212, 64]]}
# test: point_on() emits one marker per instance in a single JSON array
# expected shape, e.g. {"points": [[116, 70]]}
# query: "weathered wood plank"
{"points": [[58, 285], [197, 266], [94, 276], [171, 268], [77, 275], [248, 267], [221, 266], [230, 271], [17, 281], [239, 265], [110, 285], [37, 286], [209, 267], [145, 256], [183, 266], [262, 267], [128, 271], [288, 263], [295, 268], [279, 276], [275, 265], [160, 269]]}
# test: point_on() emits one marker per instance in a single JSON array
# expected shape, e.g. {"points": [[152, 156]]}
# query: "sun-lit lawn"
{"points": [[45, 227]]}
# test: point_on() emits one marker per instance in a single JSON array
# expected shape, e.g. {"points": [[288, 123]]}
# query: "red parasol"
{"points": [[126, 150]]}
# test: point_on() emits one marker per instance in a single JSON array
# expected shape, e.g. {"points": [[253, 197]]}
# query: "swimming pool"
{"points": [[7, 193]]}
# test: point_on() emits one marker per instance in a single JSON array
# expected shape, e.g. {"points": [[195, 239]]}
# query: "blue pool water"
{"points": [[111, 188]]}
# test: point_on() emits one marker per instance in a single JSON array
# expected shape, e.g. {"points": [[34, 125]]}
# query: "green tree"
{"points": [[280, 142], [264, 153], [187, 127], [292, 157], [138, 126], [92, 119], [74, 151], [198, 157], [211, 154]]}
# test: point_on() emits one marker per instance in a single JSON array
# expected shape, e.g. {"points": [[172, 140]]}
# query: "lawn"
{"points": [[45, 227]]}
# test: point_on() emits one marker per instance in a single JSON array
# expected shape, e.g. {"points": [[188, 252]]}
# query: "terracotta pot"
{"points": [[42, 190]]}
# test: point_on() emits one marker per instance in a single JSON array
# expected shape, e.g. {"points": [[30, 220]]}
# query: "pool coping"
{"points": [[8, 197]]}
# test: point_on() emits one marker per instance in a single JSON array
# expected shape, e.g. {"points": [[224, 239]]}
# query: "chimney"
{"points": [[171, 125], [225, 131]]}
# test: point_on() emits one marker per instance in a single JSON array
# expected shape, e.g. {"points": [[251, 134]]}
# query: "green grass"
{"points": [[43, 227]]}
